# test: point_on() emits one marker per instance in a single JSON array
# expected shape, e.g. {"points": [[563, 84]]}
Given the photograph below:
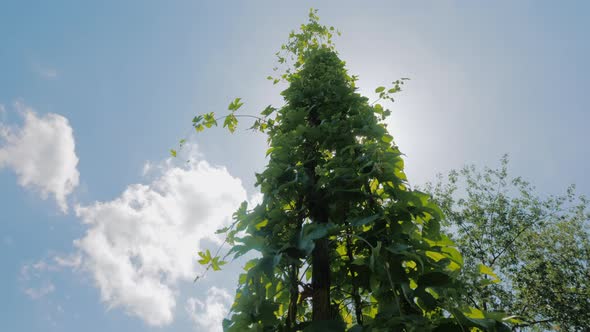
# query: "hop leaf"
{"points": [[231, 122], [235, 105]]}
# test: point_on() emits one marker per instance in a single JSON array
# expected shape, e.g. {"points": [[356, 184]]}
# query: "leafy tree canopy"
{"points": [[539, 247], [344, 244]]}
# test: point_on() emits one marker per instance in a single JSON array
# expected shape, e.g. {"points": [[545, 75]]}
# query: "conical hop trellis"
{"points": [[344, 244]]}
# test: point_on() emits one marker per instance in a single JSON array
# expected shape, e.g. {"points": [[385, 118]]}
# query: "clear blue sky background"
{"points": [[487, 78]]}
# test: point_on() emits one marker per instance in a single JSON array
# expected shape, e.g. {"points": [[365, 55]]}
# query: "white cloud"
{"points": [[34, 271], [42, 154], [140, 245], [37, 293], [53, 263], [208, 315], [72, 261], [147, 167], [34, 277]]}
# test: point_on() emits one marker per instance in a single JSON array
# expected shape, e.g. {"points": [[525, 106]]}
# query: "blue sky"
{"points": [[91, 93]]}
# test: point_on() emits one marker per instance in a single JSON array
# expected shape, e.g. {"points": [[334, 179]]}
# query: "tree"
{"points": [[343, 242], [539, 247]]}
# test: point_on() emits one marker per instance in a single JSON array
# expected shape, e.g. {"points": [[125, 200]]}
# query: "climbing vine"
{"points": [[344, 243]]}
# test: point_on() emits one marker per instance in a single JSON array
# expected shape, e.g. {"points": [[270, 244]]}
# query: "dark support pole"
{"points": [[321, 280]]}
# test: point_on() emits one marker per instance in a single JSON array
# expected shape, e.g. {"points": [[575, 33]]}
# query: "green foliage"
{"points": [[539, 248], [343, 243], [214, 262]]}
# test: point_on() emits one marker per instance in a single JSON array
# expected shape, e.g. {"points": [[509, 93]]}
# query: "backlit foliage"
{"points": [[343, 243]]}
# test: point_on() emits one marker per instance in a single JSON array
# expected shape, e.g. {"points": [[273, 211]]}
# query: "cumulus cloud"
{"points": [[42, 154], [141, 245], [209, 314]]}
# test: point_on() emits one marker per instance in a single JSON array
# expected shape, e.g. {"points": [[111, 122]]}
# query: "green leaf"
{"points": [[266, 313], [261, 224], [477, 317], [230, 123], [488, 271], [375, 253], [235, 105], [394, 90], [173, 152], [434, 279], [425, 299], [434, 255], [250, 264], [268, 110], [378, 109], [222, 230], [312, 232], [216, 263], [364, 220], [205, 257], [268, 263], [209, 120], [454, 255], [387, 138], [380, 89]]}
